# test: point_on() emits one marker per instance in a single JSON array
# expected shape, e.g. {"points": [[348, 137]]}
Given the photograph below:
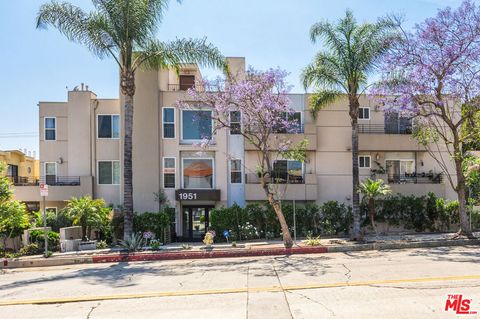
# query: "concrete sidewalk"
{"points": [[243, 249]]}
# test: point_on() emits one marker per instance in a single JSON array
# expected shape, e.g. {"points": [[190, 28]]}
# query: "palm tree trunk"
{"points": [[465, 229], [128, 89], [356, 231], [371, 213], [127, 169]]}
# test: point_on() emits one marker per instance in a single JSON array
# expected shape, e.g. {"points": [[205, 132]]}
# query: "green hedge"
{"points": [[53, 238], [256, 221], [259, 220]]}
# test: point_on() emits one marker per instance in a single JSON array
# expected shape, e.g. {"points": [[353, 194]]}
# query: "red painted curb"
{"points": [[208, 254]]}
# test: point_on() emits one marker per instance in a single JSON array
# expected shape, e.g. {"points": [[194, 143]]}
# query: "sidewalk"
{"points": [[243, 249]]}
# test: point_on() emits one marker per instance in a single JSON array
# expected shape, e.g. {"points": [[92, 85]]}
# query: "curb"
{"points": [[209, 254], [231, 253]]}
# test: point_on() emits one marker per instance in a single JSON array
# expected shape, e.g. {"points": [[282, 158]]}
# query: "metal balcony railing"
{"points": [[276, 179], [383, 129], [51, 180], [420, 178]]}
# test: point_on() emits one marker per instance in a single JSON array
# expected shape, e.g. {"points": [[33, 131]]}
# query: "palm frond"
{"points": [[321, 99], [179, 52], [77, 26]]}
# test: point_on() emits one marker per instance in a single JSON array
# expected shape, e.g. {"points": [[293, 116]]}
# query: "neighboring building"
{"points": [[81, 153], [22, 169]]}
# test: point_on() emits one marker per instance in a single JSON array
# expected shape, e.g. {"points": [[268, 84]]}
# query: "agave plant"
{"points": [[134, 242]]}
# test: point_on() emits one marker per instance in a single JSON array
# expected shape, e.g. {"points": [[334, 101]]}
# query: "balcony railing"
{"points": [[183, 87], [49, 180], [420, 178], [276, 179], [297, 129], [383, 129]]}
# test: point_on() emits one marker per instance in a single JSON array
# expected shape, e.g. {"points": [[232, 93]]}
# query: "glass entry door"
{"points": [[195, 222]]}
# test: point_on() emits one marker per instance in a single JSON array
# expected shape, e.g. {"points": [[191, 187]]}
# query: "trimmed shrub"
{"points": [[53, 239]]}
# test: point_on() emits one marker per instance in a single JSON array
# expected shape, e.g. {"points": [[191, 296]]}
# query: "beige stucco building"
{"points": [[81, 152]]}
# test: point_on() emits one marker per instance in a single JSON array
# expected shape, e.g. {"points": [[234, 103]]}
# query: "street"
{"points": [[376, 284]]}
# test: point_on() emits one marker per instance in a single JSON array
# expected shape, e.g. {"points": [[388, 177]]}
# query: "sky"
{"points": [[41, 65]]}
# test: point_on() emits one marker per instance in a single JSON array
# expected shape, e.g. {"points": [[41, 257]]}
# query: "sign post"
{"points": [[44, 193]]}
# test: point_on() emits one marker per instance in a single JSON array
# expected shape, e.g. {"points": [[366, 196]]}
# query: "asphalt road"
{"points": [[386, 284]]}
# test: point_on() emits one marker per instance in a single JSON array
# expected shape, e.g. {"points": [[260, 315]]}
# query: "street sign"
{"points": [[43, 190]]}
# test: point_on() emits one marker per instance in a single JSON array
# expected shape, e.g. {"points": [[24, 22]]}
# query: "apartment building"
{"points": [[81, 152]]}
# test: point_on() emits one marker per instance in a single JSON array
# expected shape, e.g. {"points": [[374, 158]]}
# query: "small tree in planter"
{"points": [[260, 103], [372, 190], [87, 213]]}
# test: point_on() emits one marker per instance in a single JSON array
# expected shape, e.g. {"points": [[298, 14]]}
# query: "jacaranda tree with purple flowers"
{"points": [[433, 74], [262, 102]]}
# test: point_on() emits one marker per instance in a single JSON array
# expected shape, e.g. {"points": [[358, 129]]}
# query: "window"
{"points": [[236, 171], [50, 129], [109, 172], [169, 172], [235, 123], [197, 173], [51, 173], [168, 122], [196, 125], [288, 171], [108, 126], [364, 161], [294, 120], [186, 82], [51, 210], [364, 113]]}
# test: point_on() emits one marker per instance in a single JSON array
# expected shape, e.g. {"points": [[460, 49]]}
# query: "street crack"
{"points": [[314, 301], [347, 274], [91, 310]]}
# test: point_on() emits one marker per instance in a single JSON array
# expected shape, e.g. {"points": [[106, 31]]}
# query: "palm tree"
{"points": [[125, 31], [350, 55], [371, 191], [87, 213]]}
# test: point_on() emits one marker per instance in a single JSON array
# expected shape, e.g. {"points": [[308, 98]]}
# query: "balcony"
{"points": [[307, 131], [49, 180], [60, 187], [292, 187], [420, 178], [384, 129]]}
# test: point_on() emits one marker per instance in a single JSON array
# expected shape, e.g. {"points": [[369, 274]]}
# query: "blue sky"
{"points": [[39, 65]]}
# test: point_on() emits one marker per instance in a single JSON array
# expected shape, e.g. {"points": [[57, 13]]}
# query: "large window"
{"points": [[50, 129], [235, 123], [288, 171], [364, 113], [400, 171], [109, 172], [364, 161], [198, 173], [294, 120], [168, 122], [196, 125], [108, 126], [236, 171], [169, 172]]}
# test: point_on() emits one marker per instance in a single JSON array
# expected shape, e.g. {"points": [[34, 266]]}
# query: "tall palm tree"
{"points": [[350, 54], [125, 31], [372, 190]]}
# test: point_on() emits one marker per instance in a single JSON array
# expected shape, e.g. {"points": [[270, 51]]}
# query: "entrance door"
{"points": [[195, 222]]}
